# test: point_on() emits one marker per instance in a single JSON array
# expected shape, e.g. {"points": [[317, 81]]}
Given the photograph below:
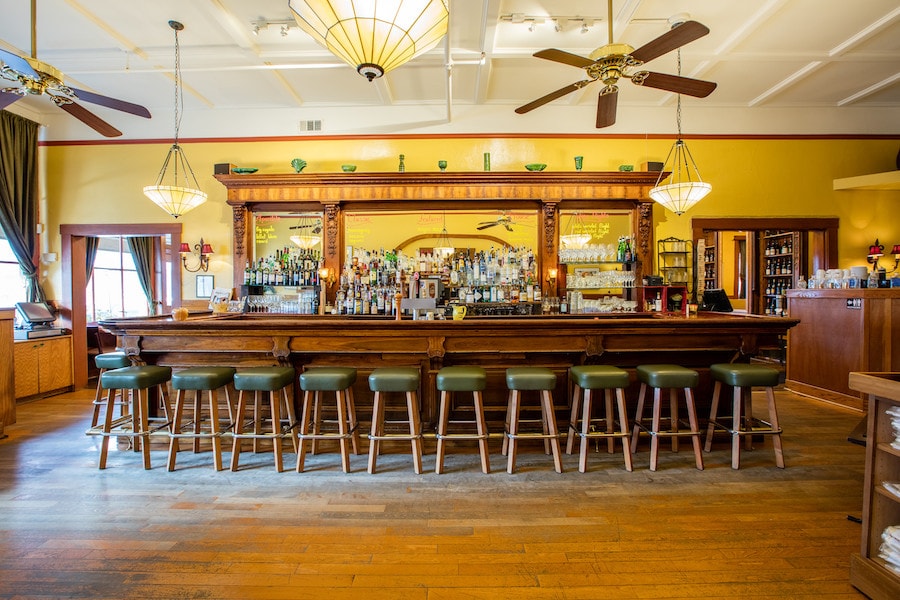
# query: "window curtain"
{"points": [[19, 195], [91, 244], [142, 253]]}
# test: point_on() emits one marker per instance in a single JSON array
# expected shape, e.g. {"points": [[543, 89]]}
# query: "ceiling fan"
{"points": [[504, 219], [35, 77], [614, 61]]}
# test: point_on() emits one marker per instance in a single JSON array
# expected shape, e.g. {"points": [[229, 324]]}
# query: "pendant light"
{"points": [[444, 247], [373, 36], [575, 236], [180, 192], [684, 189]]}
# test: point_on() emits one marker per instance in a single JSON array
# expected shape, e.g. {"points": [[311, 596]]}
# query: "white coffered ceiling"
{"points": [[782, 67]]}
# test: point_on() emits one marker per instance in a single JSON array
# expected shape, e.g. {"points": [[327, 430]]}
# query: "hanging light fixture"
{"points": [[444, 247], [572, 239], [181, 192], [374, 36], [684, 190]]}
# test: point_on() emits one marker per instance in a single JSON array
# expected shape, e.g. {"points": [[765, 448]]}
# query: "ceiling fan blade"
{"points": [[567, 58], [676, 83], [90, 119], [134, 109], [487, 225], [553, 96], [606, 106], [7, 98], [18, 64], [674, 38], [508, 226]]}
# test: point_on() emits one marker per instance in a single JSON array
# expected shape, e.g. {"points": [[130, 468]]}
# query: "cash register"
{"points": [[35, 321]]}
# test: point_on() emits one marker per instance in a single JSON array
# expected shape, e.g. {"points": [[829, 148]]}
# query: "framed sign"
{"points": [[204, 286], [218, 296]]}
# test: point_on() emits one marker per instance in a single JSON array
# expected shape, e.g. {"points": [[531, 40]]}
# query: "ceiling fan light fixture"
{"points": [[373, 37], [182, 193]]}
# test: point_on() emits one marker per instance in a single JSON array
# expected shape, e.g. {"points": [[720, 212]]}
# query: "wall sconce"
{"points": [[896, 252], [201, 251], [326, 277], [552, 274], [876, 251]]}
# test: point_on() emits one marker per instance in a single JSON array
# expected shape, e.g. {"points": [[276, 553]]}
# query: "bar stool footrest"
{"points": [[461, 436], [668, 433], [396, 436], [758, 426], [533, 435]]}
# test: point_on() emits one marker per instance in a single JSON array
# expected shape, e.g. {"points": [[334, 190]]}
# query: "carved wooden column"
{"points": [[242, 241], [548, 240]]}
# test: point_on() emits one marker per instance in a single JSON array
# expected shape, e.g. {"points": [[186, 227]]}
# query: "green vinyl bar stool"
{"points": [[139, 380], [462, 379], [199, 380], [742, 378], [314, 381], [107, 362], [586, 379], [386, 380], [671, 377], [274, 381], [542, 380]]}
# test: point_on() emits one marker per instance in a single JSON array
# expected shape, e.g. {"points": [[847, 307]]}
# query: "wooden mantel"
{"points": [[334, 193]]}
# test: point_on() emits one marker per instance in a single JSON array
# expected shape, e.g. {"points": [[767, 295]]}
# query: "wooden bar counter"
{"points": [[841, 331], [495, 343]]}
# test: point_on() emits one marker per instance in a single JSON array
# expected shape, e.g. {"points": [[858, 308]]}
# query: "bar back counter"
{"points": [[495, 343]]}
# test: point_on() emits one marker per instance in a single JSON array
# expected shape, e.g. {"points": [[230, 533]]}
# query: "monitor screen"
{"points": [[716, 300], [35, 313]]}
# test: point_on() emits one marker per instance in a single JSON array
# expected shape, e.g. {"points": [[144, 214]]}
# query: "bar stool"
{"points": [[264, 379], [670, 377], [199, 380], [313, 382], [586, 379], [742, 378], [462, 379], [106, 362], [518, 380], [395, 379], [138, 380]]}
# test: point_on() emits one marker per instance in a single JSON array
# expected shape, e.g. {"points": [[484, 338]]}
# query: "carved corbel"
{"points": [[436, 347], [239, 215], [131, 346], [281, 349], [332, 214], [749, 344], [550, 227], [594, 345]]}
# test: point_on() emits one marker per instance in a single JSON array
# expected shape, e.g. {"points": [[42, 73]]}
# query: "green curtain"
{"points": [[90, 254], [142, 254], [19, 195]]}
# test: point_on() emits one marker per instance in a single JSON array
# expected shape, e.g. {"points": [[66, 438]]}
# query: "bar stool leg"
{"points": [[443, 419], [654, 435], [773, 419], [214, 427], [317, 421], [354, 423], [238, 429], [747, 399], [377, 429], [107, 426], [610, 422], [481, 427], [176, 424], [550, 420], [343, 430], [638, 418], [713, 413], [736, 429], [305, 414], [291, 415], [695, 427], [623, 422], [573, 418], [673, 410], [585, 430], [277, 446], [144, 409], [414, 430], [512, 426]]}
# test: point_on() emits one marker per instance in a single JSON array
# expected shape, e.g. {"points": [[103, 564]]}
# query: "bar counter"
{"points": [[495, 343]]}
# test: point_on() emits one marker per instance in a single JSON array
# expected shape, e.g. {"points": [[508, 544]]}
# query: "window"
{"points": [[114, 289], [13, 288]]}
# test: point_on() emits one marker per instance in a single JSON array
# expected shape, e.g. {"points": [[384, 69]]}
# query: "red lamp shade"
{"points": [[185, 247], [896, 249], [206, 249]]}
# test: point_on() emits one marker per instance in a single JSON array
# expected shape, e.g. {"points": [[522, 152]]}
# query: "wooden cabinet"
{"points": [[782, 263], [43, 366], [881, 508], [7, 389], [675, 262]]}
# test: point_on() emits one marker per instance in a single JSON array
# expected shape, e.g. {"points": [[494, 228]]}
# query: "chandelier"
{"points": [[684, 190], [181, 192], [572, 240], [374, 36]]}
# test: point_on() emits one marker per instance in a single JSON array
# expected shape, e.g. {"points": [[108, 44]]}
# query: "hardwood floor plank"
{"points": [[70, 530]]}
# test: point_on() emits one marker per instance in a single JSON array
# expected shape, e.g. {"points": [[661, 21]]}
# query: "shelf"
{"points": [[885, 447], [880, 489]]}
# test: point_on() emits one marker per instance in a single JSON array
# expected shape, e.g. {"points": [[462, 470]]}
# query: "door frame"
{"points": [[73, 251]]}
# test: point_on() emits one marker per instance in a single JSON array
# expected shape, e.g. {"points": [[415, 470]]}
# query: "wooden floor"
{"points": [[68, 530]]}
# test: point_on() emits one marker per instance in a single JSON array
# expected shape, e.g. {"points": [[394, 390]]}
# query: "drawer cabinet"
{"points": [[43, 366]]}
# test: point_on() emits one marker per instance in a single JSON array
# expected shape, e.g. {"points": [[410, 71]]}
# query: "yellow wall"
{"points": [[750, 177]]}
